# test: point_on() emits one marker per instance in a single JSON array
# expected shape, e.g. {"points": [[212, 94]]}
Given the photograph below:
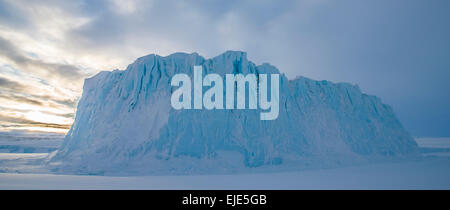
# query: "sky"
{"points": [[397, 50]]}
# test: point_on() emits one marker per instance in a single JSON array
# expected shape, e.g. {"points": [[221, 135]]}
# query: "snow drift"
{"points": [[125, 124]]}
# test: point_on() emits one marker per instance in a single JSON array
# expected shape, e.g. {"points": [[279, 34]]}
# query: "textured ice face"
{"points": [[125, 123], [244, 89]]}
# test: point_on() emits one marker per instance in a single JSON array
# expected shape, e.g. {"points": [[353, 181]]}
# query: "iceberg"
{"points": [[125, 124]]}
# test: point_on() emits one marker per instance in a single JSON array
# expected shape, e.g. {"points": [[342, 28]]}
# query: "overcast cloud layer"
{"points": [[398, 50]]}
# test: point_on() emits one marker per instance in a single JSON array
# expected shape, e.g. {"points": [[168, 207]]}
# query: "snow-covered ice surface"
{"points": [[29, 142], [432, 171], [434, 146], [442, 143], [424, 174], [27, 152], [29, 171]]}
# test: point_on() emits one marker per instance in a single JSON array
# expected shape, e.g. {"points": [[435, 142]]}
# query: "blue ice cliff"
{"points": [[125, 124]]}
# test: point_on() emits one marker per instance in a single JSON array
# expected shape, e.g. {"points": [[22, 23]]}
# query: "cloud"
{"points": [[38, 67], [11, 16], [22, 99], [27, 93], [11, 85], [22, 122], [67, 102]]}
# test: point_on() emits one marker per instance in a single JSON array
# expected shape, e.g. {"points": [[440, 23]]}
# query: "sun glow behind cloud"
{"points": [[40, 80]]}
